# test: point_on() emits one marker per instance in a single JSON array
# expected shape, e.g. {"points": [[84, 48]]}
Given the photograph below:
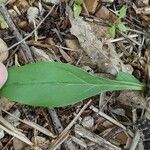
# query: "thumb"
{"points": [[3, 74]]}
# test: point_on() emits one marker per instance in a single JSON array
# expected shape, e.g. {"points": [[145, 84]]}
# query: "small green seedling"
{"points": [[77, 8], [118, 23]]}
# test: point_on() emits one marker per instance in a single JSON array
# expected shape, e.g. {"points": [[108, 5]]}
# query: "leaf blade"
{"points": [[53, 84], [122, 12], [122, 27], [77, 10]]}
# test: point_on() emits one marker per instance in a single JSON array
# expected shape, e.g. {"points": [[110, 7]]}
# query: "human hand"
{"points": [[3, 74]]}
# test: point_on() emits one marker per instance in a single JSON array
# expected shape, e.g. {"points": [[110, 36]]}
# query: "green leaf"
{"points": [[126, 77], [52, 84], [78, 2], [122, 27], [112, 31], [77, 10], [122, 12]]}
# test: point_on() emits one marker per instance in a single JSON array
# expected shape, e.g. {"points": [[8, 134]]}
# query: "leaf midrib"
{"points": [[114, 83]]}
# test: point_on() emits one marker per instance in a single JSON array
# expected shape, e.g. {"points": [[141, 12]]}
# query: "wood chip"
{"points": [[94, 138], [91, 5], [135, 140]]}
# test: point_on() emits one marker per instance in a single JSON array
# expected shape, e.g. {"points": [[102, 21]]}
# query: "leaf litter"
{"points": [[82, 41]]}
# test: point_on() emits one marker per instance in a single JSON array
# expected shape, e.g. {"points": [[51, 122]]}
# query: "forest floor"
{"points": [[103, 37]]}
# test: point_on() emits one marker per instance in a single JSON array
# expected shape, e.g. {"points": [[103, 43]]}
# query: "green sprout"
{"points": [[77, 8], [118, 23]]}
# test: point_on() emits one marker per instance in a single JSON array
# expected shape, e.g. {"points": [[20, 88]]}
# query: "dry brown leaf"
{"points": [[39, 54], [132, 98], [73, 44], [104, 55], [22, 5], [122, 138], [6, 104], [18, 145], [91, 5], [104, 13]]}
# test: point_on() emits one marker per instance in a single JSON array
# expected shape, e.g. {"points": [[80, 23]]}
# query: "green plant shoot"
{"points": [[77, 8], [118, 23]]}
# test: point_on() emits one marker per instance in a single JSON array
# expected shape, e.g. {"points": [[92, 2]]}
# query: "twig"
{"points": [[95, 138], [122, 38], [24, 46], [135, 141], [108, 117], [59, 128]]}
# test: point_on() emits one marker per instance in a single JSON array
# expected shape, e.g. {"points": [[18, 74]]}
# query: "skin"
{"points": [[3, 74]]}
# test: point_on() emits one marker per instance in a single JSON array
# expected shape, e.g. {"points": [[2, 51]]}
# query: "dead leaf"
{"points": [[104, 56], [18, 145], [105, 13], [22, 5], [91, 5], [132, 98], [39, 54], [6, 104], [73, 44]]}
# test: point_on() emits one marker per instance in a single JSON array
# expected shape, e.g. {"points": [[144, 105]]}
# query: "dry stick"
{"points": [[59, 128], [24, 46], [135, 140]]}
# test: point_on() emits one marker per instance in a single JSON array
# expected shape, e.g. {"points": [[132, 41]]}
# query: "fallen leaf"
{"points": [[18, 144], [73, 44], [39, 54], [104, 13], [132, 98], [91, 5], [104, 55]]}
